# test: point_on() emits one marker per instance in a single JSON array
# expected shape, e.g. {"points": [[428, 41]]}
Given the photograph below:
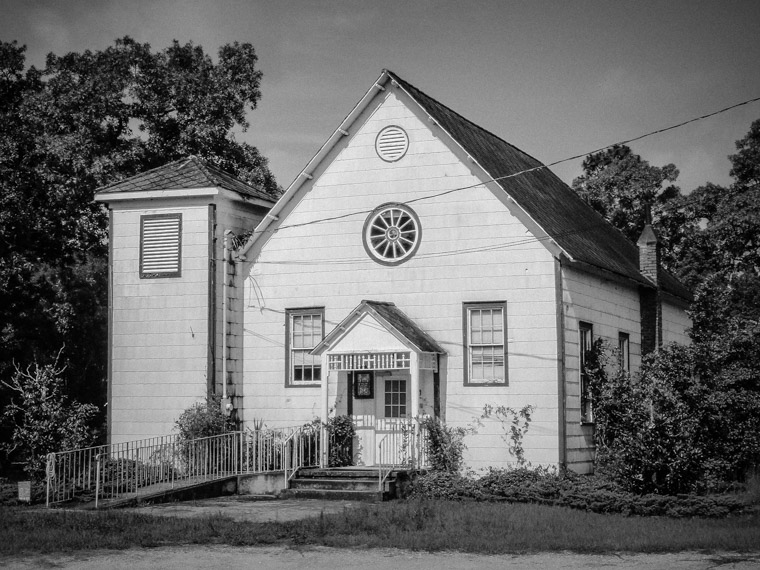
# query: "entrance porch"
{"points": [[381, 370]]}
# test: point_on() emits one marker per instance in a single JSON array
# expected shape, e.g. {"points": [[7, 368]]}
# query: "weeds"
{"points": [[487, 528]]}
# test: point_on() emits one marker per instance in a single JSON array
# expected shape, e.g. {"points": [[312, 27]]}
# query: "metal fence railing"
{"points": [[126, 469], [123, 470]]}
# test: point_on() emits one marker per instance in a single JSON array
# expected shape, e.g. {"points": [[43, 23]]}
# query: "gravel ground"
{"points": [[320, 558]]}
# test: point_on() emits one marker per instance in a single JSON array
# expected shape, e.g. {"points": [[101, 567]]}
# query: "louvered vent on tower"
{"points": [[391, 143], [160, 245]]}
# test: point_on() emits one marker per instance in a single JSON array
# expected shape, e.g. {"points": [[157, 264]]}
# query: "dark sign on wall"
{"points": [[364, 385]]}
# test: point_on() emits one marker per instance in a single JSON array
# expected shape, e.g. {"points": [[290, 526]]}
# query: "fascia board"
{"points": [[305, 175], [344, 328], [156, 194], [499, 191]]}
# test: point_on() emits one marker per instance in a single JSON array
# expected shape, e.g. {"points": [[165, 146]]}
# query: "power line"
{"points": [[515, 174]]}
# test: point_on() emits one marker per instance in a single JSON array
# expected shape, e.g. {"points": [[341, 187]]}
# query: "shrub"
{"points": [[685, 424], [43, 419], [445, 445], [204, 419], [341, 431], [550, 487]]}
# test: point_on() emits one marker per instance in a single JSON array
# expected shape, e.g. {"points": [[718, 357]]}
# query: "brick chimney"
{"points": [[649, 297]]}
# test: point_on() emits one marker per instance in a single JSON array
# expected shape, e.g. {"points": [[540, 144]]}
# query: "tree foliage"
{"points": [[689, 422], [43, 419], [204, 419], [620, 185], [84, 121]]}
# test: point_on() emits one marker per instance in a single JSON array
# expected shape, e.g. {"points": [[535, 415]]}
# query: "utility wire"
{"points": [[515, 174]]}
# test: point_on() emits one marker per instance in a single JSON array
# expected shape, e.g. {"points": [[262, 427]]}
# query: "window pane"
{"points": [[305, 334]]}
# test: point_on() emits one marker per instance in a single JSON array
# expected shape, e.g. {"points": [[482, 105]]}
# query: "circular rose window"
{"points": [[392, 234]]}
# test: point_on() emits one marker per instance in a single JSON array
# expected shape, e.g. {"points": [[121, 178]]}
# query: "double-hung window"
{"points": [[585, 344], [485, 347], [304, 330]]}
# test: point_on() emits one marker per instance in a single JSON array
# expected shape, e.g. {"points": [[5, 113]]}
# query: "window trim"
{"points": [[466, 307], [160, 275], [582, 327], [624, 351], [289, 314], [390, 406]]}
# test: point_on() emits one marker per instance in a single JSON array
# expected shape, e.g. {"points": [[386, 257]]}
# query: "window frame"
{"points": [[467, 345], [399, 406], [587, 418], [290, 381], [153, 274], [624, 351]]}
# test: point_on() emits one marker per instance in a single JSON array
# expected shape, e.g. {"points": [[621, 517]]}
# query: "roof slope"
{"points": [[190, 172], [389, 315], [578, 229]]}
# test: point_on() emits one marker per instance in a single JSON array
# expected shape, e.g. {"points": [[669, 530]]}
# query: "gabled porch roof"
{"points": [[391, 318]]}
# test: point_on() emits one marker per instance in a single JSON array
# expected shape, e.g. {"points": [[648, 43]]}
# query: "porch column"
{"points": [[325, 409], [414, 372]]}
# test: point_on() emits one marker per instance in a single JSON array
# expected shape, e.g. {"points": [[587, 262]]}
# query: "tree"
{"points": [[746, 163], [84, 121], [43, 418], [620, 185]]}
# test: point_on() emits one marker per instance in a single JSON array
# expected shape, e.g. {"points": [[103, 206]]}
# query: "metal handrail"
{"points": [[381, 477], [113, 471], [285, 445]]}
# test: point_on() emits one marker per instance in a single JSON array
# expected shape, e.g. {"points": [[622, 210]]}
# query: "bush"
{"points": [[549, 487], [204, 419], [445, 445], [341, 432], [686, 424], [43, 419]]}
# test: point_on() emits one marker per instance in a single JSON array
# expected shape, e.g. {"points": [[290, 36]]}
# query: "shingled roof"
{"points": [[190, 172], [393, 318], [578, 229]]}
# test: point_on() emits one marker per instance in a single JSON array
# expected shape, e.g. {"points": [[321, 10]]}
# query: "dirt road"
{"points": [[320, 558]]}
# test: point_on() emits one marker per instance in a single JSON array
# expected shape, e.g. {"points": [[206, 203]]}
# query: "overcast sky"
{"points": [[554, 78]]}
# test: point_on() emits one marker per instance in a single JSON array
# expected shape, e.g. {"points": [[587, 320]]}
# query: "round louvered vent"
{"points": [[391, 143]]}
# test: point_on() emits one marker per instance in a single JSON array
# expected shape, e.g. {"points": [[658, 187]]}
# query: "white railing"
{"points": [[120, 470], [302, 449], [402, 448]]}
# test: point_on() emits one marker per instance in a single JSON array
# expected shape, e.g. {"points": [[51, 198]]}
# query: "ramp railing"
{"points": [[127, 469]]}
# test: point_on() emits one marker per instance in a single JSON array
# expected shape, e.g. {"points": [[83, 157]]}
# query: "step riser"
{"points": [[334, 485], [363, 496], [326, 474]]}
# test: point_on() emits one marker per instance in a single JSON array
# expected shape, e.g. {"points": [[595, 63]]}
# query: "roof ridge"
{"points": [[462, 117]]}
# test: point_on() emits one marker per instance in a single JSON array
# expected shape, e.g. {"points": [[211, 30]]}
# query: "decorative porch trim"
{"points": [[380, 361], [370, 361]]}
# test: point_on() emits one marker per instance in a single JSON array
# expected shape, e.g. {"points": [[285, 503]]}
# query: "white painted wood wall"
{"points": [[160, 326], [325, 265]]}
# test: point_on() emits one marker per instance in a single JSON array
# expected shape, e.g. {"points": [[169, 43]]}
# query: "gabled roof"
{"points": [[578, 229], [186, 173], [392, 318]]}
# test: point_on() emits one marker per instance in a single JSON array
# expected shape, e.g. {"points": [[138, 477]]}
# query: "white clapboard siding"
{"points": [[326, 265]]}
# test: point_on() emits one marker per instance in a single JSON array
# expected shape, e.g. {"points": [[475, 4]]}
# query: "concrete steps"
{"points": [[343, 483]]}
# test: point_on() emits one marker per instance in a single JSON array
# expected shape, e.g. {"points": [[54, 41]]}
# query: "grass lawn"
{"points": [[488, 528]]}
